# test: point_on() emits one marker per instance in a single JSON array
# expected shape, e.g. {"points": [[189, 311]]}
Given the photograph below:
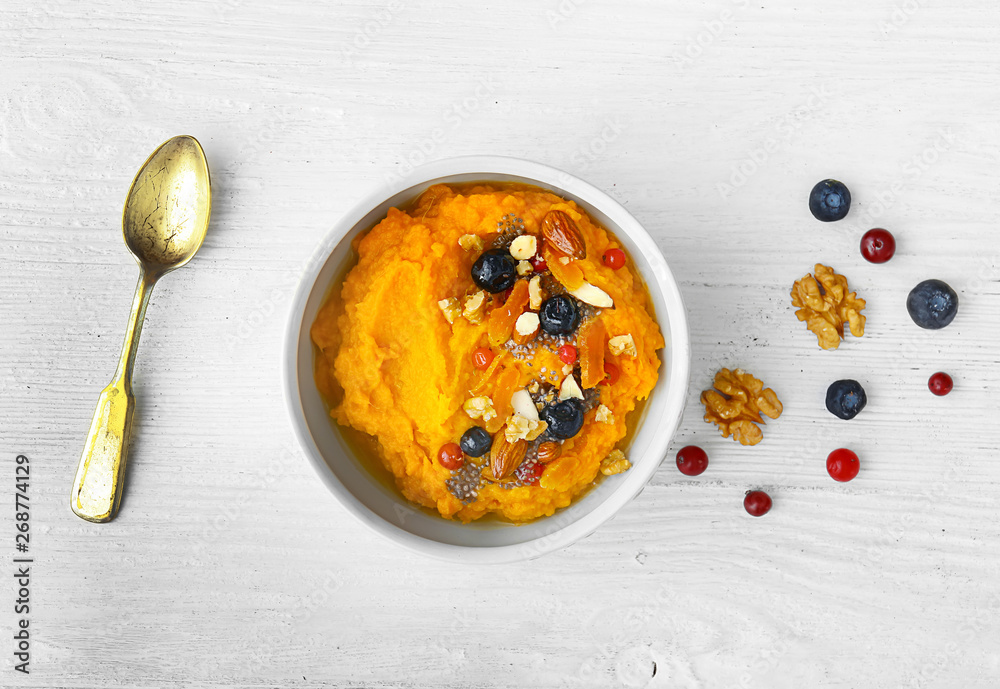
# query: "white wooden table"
{"points": [[231, 565]]}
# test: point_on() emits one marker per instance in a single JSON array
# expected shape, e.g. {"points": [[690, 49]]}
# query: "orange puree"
{"points": [[392, 366]]}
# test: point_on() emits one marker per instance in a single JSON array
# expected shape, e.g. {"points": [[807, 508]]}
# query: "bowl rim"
{"points": [[677, 349]]}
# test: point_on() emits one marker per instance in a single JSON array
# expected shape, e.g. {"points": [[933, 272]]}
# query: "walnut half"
{"points": [[825, 305], [736, 405], [615, 463]]}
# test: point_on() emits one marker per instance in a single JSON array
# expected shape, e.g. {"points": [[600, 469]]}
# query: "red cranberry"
{"points": [[611, 374], [482, 358], [450, 456], [692, 460], [614, 258], [878, 245], [567, 354], [842, 465], [940, 384], [757, 503], [538, 263]]}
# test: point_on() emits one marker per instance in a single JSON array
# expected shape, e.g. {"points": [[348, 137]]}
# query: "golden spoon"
{"points": [[164, 223]]}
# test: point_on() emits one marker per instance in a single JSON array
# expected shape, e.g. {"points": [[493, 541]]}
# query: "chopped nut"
{"points": [[518, 428], [450, 308], [604, 415], [523, 404], [534, 387], [524, 247], [475, 307], [526, 327], [564, 260], [570, 389], [471, 242], [736, 405], [537, 430], [524, 267], [593, 295], [615, 463], [548, 451], [623, 344], [536, 295], [480, 407], [567, 369], [527, 323], [825, 305]]}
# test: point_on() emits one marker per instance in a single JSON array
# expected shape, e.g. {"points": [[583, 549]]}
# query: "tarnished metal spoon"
{"points": [[164, 223]]}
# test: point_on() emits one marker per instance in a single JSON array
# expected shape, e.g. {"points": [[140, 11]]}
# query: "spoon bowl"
{"points": [[167, 210], [164, 224]]}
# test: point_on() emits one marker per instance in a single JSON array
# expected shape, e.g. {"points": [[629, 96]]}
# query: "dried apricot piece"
{"points": [[569, 273], [590, 345], [487, 375], [507, 384], [503, 317]]}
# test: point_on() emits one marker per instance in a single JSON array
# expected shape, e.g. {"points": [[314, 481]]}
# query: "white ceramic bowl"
{"points": [[381, 507]]}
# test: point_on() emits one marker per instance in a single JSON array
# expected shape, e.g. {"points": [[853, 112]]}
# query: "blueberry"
{"points": [[565, 419], [845, 398], [495, 271], [932, 304], [829, 200], [559, 315], [476, 442]]}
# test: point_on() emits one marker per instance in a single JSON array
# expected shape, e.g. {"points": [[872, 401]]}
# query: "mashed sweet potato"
{"points": [[392, 365]]}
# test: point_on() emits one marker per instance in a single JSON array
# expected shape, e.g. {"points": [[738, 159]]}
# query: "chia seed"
{"points": [[464, 483], [591, 399], [552, 286], [509, 227]]}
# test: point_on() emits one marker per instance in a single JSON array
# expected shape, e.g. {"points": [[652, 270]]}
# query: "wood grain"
{"points": [[231, 566]]}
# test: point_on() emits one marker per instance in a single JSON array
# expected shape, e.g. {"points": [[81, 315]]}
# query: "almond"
{"points": [[593, 295], [505, 456], [562, 234], [548, 451], [524, 405]]}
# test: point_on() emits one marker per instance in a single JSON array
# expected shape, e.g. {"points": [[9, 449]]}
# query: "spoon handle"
{"points": [[100, 476]]}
